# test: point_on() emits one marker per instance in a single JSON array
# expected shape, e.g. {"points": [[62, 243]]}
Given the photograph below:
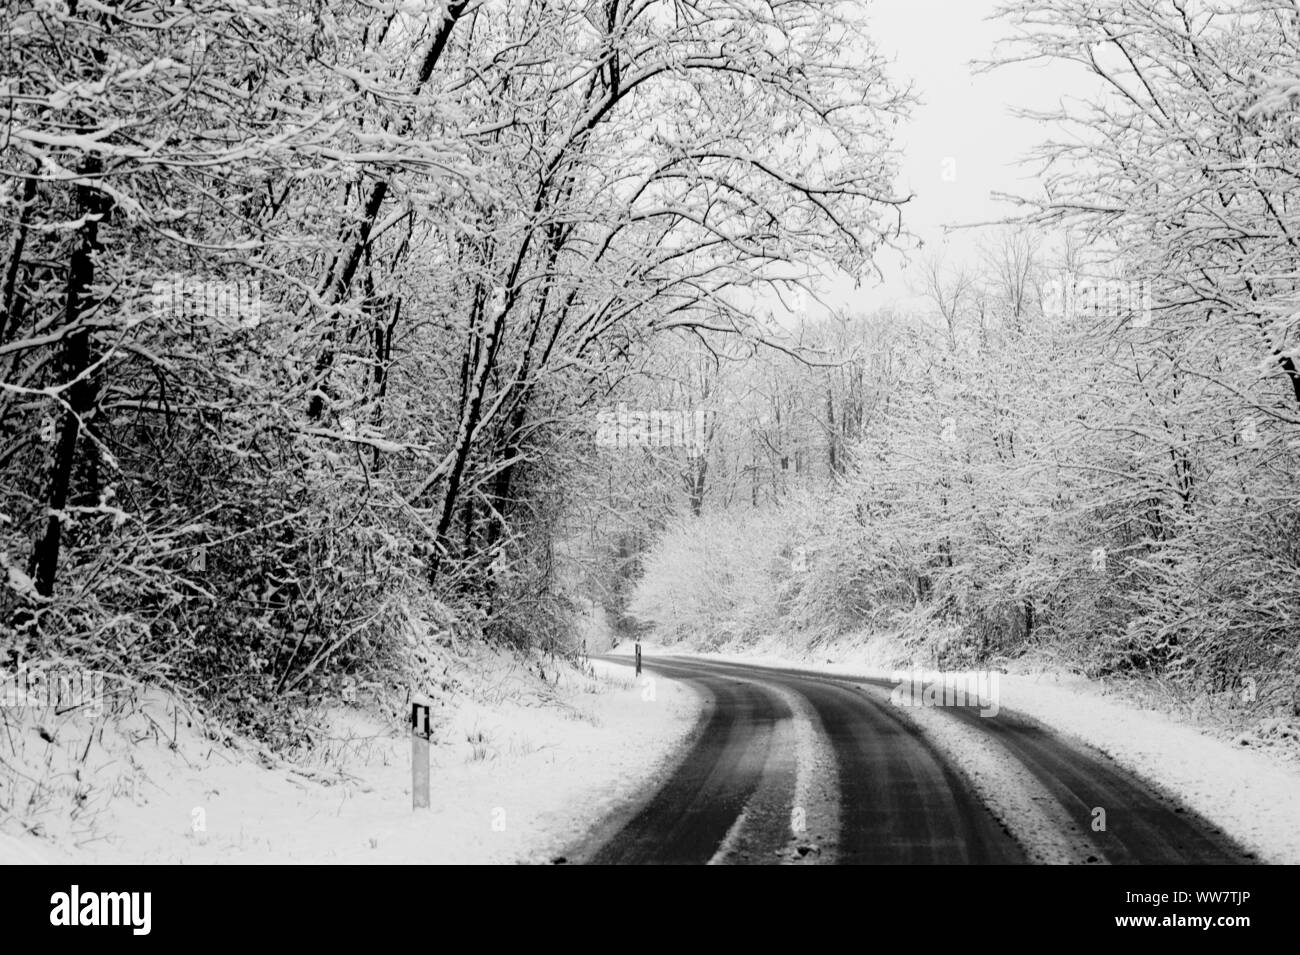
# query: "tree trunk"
{"points": [[81, 394]]}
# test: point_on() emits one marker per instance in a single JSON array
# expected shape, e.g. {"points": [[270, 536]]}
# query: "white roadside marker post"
{"points": [[420, 734]]}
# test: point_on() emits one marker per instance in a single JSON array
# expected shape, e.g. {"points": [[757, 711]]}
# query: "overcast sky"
{"points": [[963, 126]]}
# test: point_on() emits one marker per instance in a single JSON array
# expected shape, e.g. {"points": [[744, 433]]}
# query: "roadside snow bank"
{"points": [[1254, 797], [516, 773]]}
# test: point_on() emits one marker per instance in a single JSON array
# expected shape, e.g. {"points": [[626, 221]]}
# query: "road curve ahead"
{"points": [[795, 766]]}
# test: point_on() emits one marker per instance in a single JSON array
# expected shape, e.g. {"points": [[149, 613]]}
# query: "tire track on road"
{"points": [[690, 816]]}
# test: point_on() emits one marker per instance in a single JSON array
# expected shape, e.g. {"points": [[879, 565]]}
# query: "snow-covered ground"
{"points": [[516, 775], [1251, 791], [526, 768]]}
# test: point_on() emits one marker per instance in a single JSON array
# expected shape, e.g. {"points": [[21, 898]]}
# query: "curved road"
{"points": [[860, 785]]}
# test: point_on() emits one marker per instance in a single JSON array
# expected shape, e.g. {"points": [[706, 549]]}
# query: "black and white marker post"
{"points": [[420, 734], [638, 658]]}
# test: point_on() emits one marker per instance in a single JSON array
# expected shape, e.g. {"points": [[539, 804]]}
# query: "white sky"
{"points": [[963, 117]]}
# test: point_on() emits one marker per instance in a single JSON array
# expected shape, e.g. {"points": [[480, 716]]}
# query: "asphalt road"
{"points": [[731, 796]]}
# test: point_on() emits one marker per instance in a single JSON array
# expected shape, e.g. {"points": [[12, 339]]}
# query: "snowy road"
{"points": [[798, 766]]}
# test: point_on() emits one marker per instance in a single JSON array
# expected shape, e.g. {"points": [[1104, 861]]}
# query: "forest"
{"points": [[328, 329]]}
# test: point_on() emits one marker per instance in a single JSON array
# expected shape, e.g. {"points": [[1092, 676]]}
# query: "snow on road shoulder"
{"points": [[1252, 796], [514, 777]]}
